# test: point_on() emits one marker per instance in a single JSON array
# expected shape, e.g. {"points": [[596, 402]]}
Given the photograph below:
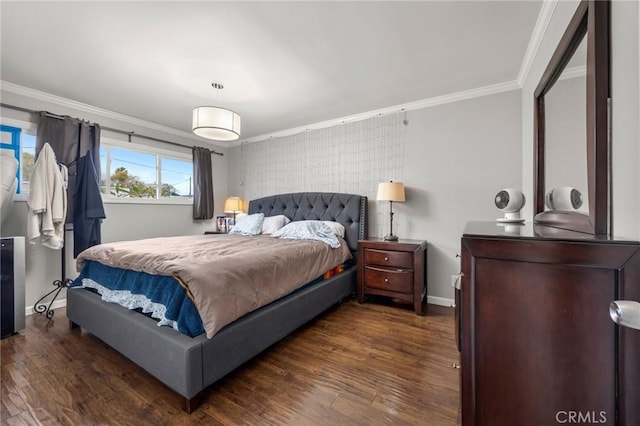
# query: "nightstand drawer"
{"points": [[398, 280], [398, 259]]}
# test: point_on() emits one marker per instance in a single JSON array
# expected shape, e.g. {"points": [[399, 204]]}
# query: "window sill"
{"points": [[165, 201], [116, 200]]}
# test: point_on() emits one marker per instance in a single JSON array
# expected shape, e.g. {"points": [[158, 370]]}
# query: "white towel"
{"points": [[47, 201]]}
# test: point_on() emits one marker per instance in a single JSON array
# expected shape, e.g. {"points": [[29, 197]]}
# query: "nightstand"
{"points": [[396, 269]]}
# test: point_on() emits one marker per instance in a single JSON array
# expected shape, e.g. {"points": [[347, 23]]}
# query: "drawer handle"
{"points": [[386, 258], [386, 280]]}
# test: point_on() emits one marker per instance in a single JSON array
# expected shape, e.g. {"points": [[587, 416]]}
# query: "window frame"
{"points": [[26, 127], [16, 147]]}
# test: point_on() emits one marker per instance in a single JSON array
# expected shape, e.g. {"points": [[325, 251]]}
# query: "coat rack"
{"points": [[41, 307], [89, 141]]}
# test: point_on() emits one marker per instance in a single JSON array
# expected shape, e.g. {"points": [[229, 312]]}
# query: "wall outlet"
{"points": [[455, 281]]}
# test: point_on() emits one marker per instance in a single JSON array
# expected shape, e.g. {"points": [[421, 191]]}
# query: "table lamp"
{"points": [[391, 191], [233, 205]]}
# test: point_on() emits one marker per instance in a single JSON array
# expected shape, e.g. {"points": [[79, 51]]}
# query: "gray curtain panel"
{"points": [[70, 138], [202, 184]]}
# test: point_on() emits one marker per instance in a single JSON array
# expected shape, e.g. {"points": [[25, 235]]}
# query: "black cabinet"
{"points": [[12, 310]]}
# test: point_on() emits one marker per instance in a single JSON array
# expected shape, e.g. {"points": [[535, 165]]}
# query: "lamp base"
{"points": [[391, 237]]}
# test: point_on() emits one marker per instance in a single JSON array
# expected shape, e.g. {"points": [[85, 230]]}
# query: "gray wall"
{"points": [[457, 157], [625, 93]]}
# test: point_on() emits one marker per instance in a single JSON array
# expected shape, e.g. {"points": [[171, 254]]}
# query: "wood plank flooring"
{"points": [[369, 364]]}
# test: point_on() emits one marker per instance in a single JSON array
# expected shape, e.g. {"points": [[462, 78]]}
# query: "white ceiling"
{"points": [[283, 64]]}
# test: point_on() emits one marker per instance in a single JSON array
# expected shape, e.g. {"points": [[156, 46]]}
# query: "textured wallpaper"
{"points": [[351, 158]]}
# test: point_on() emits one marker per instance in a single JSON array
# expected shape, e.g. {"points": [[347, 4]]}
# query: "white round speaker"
{"points": [[510, 201], [564, 198]]}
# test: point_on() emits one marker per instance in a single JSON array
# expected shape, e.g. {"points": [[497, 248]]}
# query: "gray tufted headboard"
{"points": [[348, 209]]}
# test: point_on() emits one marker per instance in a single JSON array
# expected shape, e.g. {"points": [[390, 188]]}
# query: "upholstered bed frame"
{"points": [[188, 365]]}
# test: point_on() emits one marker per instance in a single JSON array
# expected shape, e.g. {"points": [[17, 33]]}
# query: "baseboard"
{"points": [[441, 301], [61, 303]]}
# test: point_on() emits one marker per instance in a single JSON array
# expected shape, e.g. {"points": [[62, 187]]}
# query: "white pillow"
{"points": [[272, 223], [308, 230], [336, 227], [250, 225]]}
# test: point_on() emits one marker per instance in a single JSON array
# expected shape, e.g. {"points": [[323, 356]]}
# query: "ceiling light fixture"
{"points": [[216, 123]]}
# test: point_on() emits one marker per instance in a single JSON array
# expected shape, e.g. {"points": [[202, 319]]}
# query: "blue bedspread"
{"points": [[162, 296]]}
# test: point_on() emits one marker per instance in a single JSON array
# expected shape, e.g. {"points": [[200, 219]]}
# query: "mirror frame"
{"points": [[591, 19]]}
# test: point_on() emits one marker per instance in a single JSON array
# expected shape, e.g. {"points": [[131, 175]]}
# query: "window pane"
{"points": [[133, 174], [177, 177], [28, 158], [6, 138], [103, 170]]}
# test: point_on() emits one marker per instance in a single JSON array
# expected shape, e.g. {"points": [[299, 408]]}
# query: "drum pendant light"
{"points": [[215, 122]]}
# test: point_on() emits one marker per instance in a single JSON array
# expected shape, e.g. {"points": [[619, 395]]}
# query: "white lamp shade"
{"points": [[216, 123], [391, 191], [233, 205]]}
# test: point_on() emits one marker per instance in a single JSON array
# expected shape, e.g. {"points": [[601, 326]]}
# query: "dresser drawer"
{"points": [[398, 280], [398, 259]]}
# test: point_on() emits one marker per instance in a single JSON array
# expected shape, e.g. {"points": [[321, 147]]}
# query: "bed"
{"points": [[188, 365]]}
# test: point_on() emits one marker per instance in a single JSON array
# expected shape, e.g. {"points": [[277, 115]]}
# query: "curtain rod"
{"points": [[110, 129]]}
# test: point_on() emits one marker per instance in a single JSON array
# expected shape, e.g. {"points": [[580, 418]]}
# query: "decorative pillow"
{"points": [[336, 227], [308, 230], [272, 223], [250, 225]]}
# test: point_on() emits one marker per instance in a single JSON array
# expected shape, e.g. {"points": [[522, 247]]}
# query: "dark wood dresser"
{"points": [[538, 346], [396, 269]]}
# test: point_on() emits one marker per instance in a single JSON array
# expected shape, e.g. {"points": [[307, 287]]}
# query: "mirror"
{"points": [[571, 127]]}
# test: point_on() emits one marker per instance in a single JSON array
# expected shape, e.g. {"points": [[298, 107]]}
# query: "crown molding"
{"points": [[573, 72], [540, 29], [58, 100], [424, 103]]}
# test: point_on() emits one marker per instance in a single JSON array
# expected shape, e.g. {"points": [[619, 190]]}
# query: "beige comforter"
{"points": [[226, 275]]}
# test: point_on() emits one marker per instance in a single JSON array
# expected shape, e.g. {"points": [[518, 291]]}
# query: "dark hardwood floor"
{"points": [[357, 364]]}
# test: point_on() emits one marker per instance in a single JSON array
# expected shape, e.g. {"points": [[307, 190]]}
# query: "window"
{"points": [[129, 172], [136, 171], [20, 140]]}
